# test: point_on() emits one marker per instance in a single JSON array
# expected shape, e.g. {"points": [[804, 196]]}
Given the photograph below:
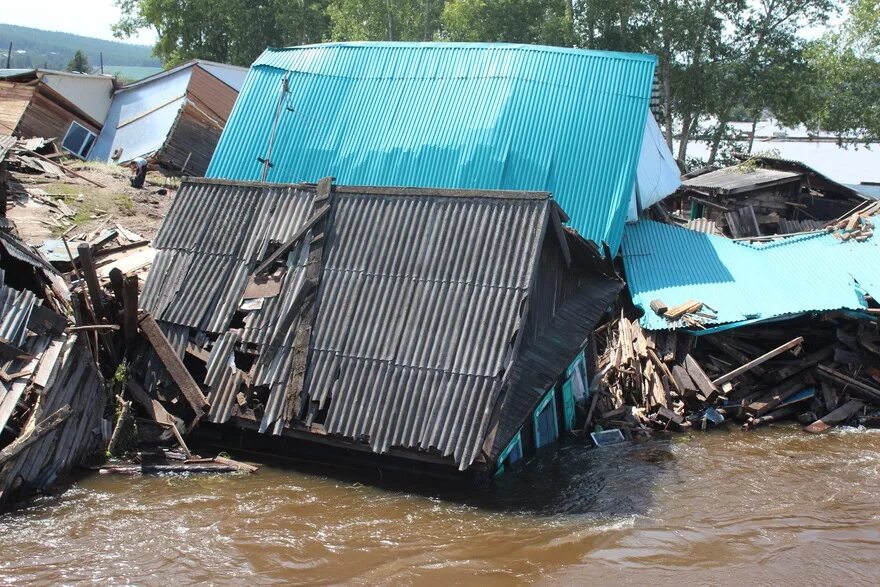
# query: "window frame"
{"points": [[85, 146]]}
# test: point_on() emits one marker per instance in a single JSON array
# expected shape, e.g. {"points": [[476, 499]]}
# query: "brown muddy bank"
{"points": [[728, 507]]}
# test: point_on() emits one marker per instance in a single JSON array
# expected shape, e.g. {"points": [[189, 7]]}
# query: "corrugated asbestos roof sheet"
{"points": [[810, 273], [450, 115], [732, 180], [420, 294], [211, 236]]}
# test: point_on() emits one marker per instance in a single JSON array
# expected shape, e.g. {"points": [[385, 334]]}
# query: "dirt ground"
{"points": [[138, 210]]}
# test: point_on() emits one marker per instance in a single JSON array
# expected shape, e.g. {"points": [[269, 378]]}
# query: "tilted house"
{"points": [[67, 107], [449, 115], [432, 325], [175, 117], [764, 196]]}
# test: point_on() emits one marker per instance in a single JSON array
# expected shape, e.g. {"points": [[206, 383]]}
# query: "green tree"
{"points": [[384, 20], [229, 31], [547, 22], [716, 57], [845, 65], [79, 63]]}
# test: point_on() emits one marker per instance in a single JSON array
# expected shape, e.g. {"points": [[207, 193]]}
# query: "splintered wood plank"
{"points": [[762, 359], [189, 389]]}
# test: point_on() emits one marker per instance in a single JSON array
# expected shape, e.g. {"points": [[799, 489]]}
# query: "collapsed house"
{"points": [[68, 108], [52, 395], [761, 196], [174, 118], [751, 331], [432, 325], [457, 116]]}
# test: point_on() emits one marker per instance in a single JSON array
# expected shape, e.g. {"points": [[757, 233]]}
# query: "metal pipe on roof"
{"points": [[267, 162]]}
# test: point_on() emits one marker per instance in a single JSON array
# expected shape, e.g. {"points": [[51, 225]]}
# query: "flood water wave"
{"points": [[720, 508]]}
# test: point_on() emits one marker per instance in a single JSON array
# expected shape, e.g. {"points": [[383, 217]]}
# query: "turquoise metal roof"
{"points": [[811, 273], [450, 115]]}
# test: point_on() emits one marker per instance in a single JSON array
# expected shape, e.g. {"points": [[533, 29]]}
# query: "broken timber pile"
{"points": [[52, 395], [821, 372]]}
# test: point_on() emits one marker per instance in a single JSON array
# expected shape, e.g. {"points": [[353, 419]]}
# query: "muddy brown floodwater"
{"points": [[731, 508]]}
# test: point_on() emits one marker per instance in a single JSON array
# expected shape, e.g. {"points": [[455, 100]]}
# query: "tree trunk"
{"points": [[752, 136], [716, 140], [687, 122], [667, 101]]}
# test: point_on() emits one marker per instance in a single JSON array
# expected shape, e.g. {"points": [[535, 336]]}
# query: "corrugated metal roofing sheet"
{"points": [[810, 273], [449, 115], [419, 299], [420, 295], [211, 240], [731, 180]]}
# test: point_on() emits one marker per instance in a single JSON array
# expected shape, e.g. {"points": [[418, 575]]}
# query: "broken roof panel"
{"points": [[568, 121], [810, 273], [734, 180], [420, 296]]}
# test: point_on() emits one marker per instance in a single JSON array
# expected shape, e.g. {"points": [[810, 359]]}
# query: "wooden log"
{"points": [[806, 362], [841, 414], [775, 416], [188, 387], [34, 434], [659, 307], [762, 359]]}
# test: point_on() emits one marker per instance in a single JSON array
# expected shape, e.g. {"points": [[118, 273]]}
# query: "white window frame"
{"points": [[89, 140]]}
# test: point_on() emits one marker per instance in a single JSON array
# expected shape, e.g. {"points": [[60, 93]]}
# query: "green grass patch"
{"points": [[124, 204]]}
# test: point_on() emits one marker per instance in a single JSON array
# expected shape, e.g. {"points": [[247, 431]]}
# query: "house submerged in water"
{"points": [[440, 314]]}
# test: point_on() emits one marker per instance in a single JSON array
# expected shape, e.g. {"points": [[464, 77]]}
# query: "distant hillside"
{"points": [[48, 49]]}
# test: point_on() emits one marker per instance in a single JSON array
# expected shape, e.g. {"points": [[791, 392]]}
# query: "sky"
{"points": [[90, 18]]}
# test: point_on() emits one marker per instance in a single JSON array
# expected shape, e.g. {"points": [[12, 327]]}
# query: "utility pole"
{"points": [[9, 56], [101, 56]]}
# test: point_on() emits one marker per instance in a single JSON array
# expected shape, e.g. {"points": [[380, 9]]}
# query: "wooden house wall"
{"points": [[14, 100], [194, 136], [211, 94], [48, 116], [543, 353]]}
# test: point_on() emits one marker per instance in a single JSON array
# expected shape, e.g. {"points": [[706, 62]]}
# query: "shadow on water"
{"points": [[577, 478]]}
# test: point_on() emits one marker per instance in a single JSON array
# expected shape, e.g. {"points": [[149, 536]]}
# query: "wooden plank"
{"points": [[130, 308], [731, 351], [155, 410], [34, 434], [762, 359], [87, 266], [659, 307], [853, 386], [841, 414], [286, 247], [189, 389], [704, 384], [688, 307]]}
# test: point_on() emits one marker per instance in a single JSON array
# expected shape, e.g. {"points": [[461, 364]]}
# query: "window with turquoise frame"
{"points": [[545, 420], [511, 454]]}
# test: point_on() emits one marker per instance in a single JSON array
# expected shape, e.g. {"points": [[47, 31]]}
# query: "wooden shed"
{"points": [[175, 117], [66, 107]]}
